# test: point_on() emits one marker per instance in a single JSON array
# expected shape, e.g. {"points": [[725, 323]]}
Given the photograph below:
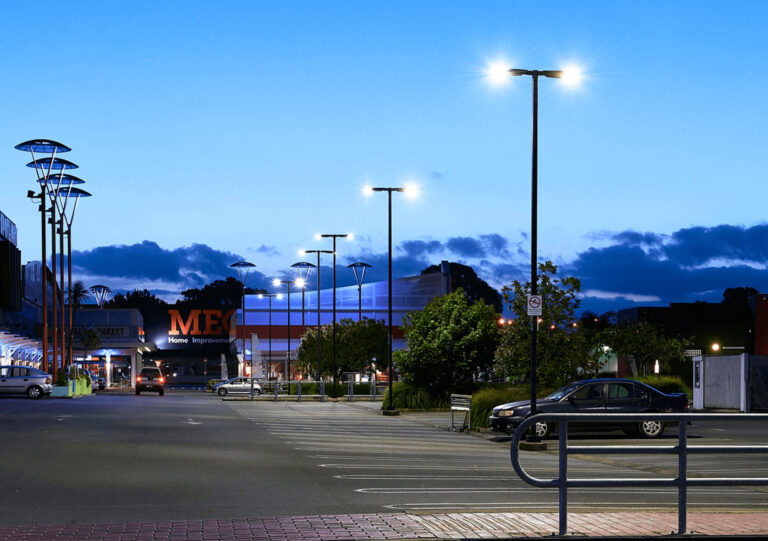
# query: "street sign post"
{"points": [[534, 305]]}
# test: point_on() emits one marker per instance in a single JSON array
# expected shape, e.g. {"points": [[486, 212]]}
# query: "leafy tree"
{"points": [[228, 293], [451, 344], [643, 343], [565, 350], [357, 342]]}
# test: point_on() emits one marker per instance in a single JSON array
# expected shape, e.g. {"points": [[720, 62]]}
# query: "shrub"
{"points": [[665, 384], [487, 398], [408, 396], [61, 378], [212, 382]]}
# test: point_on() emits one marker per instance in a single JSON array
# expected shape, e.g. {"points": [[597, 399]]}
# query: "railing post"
{"points": [[373, 390], [298, 391], [275, 389], [563, 486], [322, 391], [351, 390], [682, 477]]}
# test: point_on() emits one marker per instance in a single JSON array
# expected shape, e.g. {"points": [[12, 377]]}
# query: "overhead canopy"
{"points": [[46, 146], [71, 192], [51, 163], [65, 179]]}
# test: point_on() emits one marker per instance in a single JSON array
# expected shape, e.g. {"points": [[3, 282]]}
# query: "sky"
{"points": [[210, 133]]}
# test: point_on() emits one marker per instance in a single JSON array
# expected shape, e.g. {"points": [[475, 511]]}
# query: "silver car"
{"points": [[24, 380], [238, 385]]}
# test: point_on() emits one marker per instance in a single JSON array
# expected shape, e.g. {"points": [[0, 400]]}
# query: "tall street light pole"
{"points": [[303, 268], [359, 266], [535, 74], [317, 336], [269, 296], [43, 146], [276, 282], [410, 190], [334, 237], [242, 268]]}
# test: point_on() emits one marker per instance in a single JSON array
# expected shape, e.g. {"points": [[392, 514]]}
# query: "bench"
{"points": [[461, 402]]}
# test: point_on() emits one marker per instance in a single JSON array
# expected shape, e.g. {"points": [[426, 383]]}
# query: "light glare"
{"points": [[411, 190], [497, 72], [300, 282], [572, 75], [367, 190], [302, 253], [318, 236], [350, 236], [276, 282]]}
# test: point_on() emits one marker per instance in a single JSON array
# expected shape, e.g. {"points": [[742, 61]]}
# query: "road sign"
{"points": [[534, 305]]}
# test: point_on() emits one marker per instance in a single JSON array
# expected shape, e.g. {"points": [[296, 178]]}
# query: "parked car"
{"points": [[150, 378], [238, 385], [607, 395], [24, 380]]}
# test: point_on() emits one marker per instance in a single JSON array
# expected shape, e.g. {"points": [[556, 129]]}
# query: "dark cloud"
{"points": [[416, 248], [698, 245], [466, 247], [147, 265], [496, 245]]}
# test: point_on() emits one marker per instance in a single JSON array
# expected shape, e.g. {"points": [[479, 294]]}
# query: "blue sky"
{"points": [[237, 130]]}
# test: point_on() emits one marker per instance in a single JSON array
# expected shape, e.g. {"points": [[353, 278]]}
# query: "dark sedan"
{"points": [[595, 396]]}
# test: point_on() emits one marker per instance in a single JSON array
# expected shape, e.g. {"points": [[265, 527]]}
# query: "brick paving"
{"points": [[400, 526]]}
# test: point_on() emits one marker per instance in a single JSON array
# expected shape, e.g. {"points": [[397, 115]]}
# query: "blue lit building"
{"points": [[408, 295]]}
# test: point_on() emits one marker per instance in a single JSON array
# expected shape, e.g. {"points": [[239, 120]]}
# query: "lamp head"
{"points": [[300, 283], [497, 72]]}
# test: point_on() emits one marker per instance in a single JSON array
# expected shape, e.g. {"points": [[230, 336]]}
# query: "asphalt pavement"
{"points": [[192, 466]]}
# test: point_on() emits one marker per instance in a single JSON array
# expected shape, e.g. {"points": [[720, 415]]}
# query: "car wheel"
{"points": [[162, 392], [138, 392], [34, 392], [258, 391], [541, 429], [222, 392], [651, 429]]}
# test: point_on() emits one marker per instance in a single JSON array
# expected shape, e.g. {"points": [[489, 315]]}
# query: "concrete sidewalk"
{"points": [[404, 526]]}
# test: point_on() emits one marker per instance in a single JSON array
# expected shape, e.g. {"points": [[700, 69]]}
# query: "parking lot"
{"points": [[190, 455]]}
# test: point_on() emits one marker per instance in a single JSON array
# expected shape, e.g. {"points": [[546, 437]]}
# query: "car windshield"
{"points": [[560, 393]]}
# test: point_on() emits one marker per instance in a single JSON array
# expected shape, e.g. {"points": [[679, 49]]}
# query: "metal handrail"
{"points": [[682, 449]]}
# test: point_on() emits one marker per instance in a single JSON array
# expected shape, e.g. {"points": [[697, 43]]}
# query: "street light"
{"points": [[334, 236], [45, 147], [359, 266], [303, 268], [569, 75], [43, 168], [243, 268], [409, 190], [269, 296], [317, 334], [277, 282], [66, 220]]}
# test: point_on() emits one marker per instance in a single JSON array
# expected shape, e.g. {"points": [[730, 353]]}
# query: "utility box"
{"points": [[735, 382]]}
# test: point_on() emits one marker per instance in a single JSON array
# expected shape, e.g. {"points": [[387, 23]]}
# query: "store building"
{"points": [[268, 329]]}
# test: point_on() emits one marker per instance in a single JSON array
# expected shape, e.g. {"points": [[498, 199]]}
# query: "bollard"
{"points": [[322, 391], [350, 390], [275, 390], [373, 391], [298, 391]]}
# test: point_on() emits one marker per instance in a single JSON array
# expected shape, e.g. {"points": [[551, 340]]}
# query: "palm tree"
{"points": [[78, 294]]}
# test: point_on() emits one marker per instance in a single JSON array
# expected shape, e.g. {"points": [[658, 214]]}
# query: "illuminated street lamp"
{"points": [[243, 268], [570, 76], [299, 282], [334, 236], [269, 296], [412, 191], [303, 268], [359, 267]]}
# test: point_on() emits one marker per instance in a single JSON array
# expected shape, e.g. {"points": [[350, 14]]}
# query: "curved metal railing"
{"points": [[682, 450]]}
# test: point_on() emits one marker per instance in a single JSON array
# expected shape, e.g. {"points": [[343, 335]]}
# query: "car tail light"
{"points": [[138, 378], [162, 380], [47, 381]]}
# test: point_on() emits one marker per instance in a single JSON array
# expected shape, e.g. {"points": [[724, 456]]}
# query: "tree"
{"points": [[643, 343], [565, 350], [357, 343], [227, 293], [451, 344], [78, 294]]}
